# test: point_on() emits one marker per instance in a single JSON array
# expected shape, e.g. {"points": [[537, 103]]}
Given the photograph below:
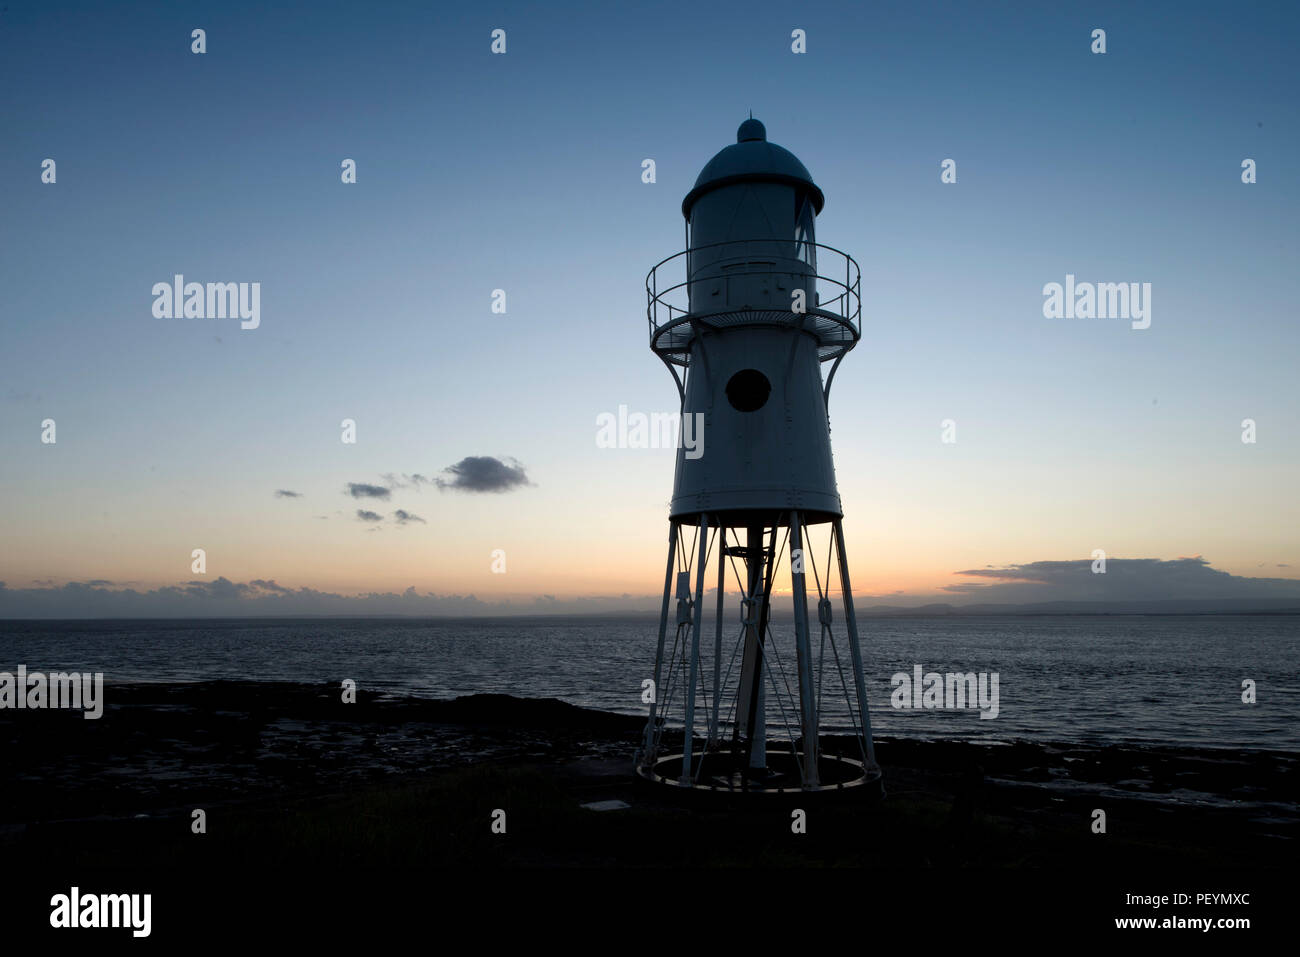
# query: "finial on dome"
{"points": [[751, 130]]}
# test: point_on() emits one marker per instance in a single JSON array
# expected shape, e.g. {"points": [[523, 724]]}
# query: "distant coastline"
{"points": [[1066, 609]]}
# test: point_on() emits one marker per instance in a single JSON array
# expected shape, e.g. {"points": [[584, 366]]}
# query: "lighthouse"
{"points": [[766, 693]]}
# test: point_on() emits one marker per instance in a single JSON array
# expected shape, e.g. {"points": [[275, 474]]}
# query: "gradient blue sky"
{"points": [[522, 172]]}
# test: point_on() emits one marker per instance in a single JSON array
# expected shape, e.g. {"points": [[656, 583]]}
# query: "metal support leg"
{"points": [[749, 710], [807, 692], [717, 637], [851, 621], [687, 777], [648, 748]]}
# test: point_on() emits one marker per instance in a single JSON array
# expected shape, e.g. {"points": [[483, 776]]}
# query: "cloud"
{"points": [[365, 516], [263, 584], [404, 517], [1189, 582], [362, 490], [1125, 579], [286, 493], [483, 473], [220, 589], [403, 480], [264, 597]]}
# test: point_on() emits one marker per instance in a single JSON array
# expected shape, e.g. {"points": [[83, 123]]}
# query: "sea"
{"points": [[1164, 680]]}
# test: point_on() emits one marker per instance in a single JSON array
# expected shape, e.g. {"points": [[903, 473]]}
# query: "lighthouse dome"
{"points": [[752, 159]]}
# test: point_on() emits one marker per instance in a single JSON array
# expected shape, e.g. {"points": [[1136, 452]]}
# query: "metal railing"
{"points": [[836, 299]]}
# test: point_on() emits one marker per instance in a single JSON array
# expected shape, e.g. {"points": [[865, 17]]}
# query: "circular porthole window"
{"points": [[747, 390]]}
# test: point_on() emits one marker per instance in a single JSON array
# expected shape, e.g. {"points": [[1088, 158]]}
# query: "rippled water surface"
{"points": [[1170, 680]]}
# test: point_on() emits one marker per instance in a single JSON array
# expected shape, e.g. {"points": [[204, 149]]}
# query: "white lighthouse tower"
{"points": [[745, 319]]}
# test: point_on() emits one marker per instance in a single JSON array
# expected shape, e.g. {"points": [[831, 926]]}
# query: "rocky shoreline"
{"points": [[243, 750]]}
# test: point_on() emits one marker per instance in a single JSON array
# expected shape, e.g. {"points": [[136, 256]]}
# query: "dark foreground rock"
{"points": [[288, 774]]}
